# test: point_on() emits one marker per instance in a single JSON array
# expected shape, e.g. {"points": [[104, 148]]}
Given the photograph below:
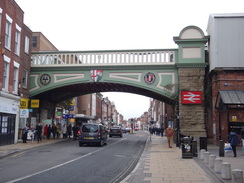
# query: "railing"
{"points": [[128, 57]]}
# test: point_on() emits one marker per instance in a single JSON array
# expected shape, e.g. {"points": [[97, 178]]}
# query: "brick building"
{"points": [[224, 93], [15, 58]]}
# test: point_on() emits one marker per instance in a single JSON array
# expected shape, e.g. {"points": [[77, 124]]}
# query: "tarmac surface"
{"points": [[159, 163]]}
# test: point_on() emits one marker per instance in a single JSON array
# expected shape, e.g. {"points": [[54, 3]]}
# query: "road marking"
{"points": [[62, 164]]}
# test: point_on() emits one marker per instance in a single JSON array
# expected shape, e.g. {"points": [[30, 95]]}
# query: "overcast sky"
{"points": [[120, 25]]}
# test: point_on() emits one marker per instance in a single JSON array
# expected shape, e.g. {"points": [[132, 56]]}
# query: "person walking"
{"points": [[75, 131], [169, 134], [69, 130], [54, 130], [49, 131], [45, 131], [233, 140], [25, 132], [39, 132], [64, 131], [242, 139]]}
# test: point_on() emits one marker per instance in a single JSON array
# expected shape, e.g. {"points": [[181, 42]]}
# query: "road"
{"points": [[67, 162]]}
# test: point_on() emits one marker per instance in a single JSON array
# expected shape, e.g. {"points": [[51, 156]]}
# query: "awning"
{"points": [[230, 97]]}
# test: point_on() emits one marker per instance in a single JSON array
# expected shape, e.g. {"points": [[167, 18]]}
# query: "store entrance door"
{"points": [[7, 128]]}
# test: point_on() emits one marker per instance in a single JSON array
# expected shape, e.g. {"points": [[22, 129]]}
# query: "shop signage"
{"points": [[68, 116], [35, 103], [6, 108], [191, 97], [24, 103], [24, 113]]}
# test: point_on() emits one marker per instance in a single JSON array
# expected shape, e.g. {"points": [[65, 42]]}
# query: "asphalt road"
{"points": [[67, 162]]}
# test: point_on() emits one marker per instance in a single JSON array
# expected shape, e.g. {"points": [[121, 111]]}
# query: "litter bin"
{"points": [[186, 146]]}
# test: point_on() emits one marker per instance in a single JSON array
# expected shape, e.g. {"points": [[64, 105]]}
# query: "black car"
{"points": [[92, 133], [115, 131]]}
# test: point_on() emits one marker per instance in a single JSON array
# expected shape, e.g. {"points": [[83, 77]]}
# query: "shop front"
{"points": [[230, 105], [8, 115]]}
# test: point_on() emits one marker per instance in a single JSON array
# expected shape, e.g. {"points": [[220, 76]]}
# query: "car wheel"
{"points": [[100, 143], [110, 135], [80, 144]]}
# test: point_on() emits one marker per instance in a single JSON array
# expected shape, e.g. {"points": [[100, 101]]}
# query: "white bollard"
{"points": [[206, 157], [226, 171], [237, 176], [217, 165], [202, 151], [211, 161]]}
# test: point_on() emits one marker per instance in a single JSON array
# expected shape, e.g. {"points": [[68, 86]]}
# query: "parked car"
{"points": [[136, 128], [124, 130], [92, 133], [115, 131]]}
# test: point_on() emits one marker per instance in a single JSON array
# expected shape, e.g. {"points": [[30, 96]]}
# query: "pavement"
{"points": [[158, 163]]}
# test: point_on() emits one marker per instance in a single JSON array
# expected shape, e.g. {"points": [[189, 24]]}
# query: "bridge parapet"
{"points": [[123, 57]]}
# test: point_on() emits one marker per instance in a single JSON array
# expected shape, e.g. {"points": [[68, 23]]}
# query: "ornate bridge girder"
{"points": [[59, 83]]}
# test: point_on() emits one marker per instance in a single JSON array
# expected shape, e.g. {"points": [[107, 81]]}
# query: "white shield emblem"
{"points": [[96, 75]]}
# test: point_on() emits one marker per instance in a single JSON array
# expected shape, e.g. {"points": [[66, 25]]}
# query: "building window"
{"points": [[6, 73], [25, 77], [4, 126], [27, 44], [15, 78], [17, 40], [0, 20], [34, 41], [8, 32]]}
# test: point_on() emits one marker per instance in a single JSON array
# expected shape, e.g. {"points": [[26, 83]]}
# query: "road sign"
{"points": [[191, 97]]}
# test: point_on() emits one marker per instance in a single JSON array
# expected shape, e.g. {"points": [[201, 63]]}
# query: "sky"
{"points": [[81, 25]]}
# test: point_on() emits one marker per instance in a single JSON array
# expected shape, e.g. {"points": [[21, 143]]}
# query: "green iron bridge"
{"points": [[160, 73]]}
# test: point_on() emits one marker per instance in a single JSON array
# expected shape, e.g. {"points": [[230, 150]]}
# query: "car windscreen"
{"points": [[90, 128], [115, 128]]}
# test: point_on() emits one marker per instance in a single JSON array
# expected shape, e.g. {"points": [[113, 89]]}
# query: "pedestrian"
{"points": [[39, 132], [69, 130], [54, 131], [49, 131], [75, 131], [64, 131], [162, 131], [24, 135], [242, 139], [45, 131], [233, 140], [59, 131], [169, 134]]}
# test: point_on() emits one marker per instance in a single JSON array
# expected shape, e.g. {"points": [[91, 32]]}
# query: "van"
{"points": [[93, 133]]}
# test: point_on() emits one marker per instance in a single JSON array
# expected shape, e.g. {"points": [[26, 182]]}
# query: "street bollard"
{"points": [[237, 176], [211, 161], [206, 157], [226, 171], [202, 151], [217, 165], [221, 148]]}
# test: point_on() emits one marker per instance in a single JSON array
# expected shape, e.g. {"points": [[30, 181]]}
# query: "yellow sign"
{"points": [[24, 103], [35, 103], [234, 118]]}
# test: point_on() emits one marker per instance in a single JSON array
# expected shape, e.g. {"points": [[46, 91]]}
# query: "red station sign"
{"points": [[191, 97]]}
